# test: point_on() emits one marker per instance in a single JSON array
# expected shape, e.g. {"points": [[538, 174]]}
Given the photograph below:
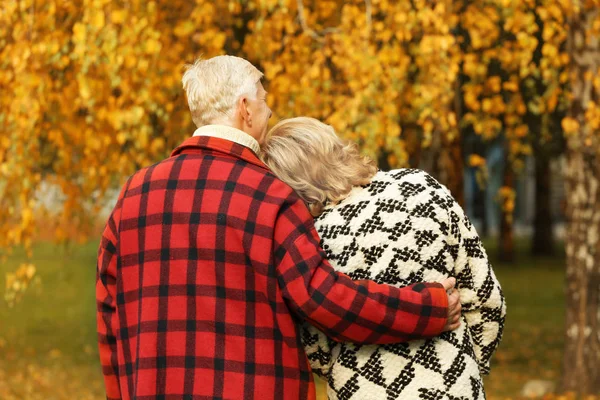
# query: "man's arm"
{"points": [[106, 317], [106, 292], [358, 311]]}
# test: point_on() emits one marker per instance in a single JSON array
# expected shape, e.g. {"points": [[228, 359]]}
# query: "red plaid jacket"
{"points": [[206, 265]]}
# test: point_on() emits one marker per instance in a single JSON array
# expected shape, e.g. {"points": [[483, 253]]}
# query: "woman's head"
{"points": [[307, 155]]}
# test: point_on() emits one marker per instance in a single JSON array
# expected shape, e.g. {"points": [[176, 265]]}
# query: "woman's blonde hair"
{"points": [[307, 155]]}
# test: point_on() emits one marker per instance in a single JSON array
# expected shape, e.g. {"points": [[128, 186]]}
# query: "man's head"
{"points": [[227, 90]]}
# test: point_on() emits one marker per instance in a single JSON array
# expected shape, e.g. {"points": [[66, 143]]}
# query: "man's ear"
{"points": [[245, 113]]}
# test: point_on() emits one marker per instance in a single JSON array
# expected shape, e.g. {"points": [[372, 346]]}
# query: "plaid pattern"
{"points": [[205, 267]]}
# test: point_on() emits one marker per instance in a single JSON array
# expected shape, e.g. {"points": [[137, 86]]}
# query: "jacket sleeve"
{"points": [[106, 315], [482, 300], [362, 312]]}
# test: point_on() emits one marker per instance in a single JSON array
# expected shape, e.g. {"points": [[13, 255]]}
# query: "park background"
{"points": [[498, 99]]}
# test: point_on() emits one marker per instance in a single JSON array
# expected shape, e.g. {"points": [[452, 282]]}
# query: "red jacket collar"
{"points": [[196, 143]]}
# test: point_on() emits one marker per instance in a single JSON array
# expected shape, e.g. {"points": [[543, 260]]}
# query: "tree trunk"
{"points": [[582, 342], [481, 206], [443, 160], [543, 238], [451, 161], [382, 160], [506, 247], [582, 339]]}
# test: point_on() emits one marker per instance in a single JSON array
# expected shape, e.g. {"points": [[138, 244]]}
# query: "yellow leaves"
{"points": [[26, 217], [487, 127], [592, 117], [521, 108], [506, 197], [84, 90], [521, 131], [476, 161], [511, 86], [570, 126], [118, 16], [184, 28], [17, 282], [494, 84], [549, 50], [481, 25], [471, 97], [473, 67], [153, 46], [527, 41], [552, 101], [157, 146], [121, 138], [79, 32], [494, 105], [98, 20]]}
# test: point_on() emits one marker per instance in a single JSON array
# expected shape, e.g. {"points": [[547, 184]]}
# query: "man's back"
{"points": [[197, 299]]}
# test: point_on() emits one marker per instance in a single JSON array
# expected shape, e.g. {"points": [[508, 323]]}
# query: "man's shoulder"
{"points": [[213, 166]]}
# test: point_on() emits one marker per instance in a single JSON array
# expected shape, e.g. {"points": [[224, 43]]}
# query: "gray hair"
{"points": [[214, 86]]}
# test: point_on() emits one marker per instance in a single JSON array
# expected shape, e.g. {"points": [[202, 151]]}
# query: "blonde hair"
{"points": [[214, 86], [307, 155]]}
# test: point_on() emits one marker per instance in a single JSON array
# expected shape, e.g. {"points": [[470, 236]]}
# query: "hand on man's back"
{"points": [[454, 307]]}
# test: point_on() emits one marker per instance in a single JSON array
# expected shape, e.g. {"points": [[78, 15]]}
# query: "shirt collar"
{"points": [[199, 144], [229, 133]]}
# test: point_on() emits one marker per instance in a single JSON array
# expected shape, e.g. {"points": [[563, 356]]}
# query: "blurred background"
{"points": [[498, 99]]}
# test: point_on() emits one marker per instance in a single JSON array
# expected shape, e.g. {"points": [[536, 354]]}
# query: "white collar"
{"points": [[229, 133]]}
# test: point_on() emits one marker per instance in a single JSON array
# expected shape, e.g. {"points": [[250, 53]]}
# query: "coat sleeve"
{"points": [[106, 315], [362, 312], [482, 300]]}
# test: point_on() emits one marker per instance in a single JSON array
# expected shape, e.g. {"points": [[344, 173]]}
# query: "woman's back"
{"points": [[404, 228]]}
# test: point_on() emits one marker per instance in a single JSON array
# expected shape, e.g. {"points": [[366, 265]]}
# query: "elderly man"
{"points": [[208, 262]]}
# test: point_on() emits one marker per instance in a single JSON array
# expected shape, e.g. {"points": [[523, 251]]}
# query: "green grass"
{"points": [[533, 340], [48, 348], [48, 339]]}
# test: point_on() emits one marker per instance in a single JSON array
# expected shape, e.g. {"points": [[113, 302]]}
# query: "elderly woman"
{"points": [[397, 227]]}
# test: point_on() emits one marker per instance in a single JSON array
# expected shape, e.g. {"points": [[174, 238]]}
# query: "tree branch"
{"points": [[310, 32], [369, 15]]}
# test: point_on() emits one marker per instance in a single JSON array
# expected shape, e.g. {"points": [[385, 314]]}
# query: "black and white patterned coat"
{"points": [[402, 228]]}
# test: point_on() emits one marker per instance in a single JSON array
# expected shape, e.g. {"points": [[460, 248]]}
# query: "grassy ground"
{"points": [[533, 339], [48, 351]]}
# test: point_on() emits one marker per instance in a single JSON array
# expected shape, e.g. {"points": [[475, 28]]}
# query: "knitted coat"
{"points": [[404, 227]]}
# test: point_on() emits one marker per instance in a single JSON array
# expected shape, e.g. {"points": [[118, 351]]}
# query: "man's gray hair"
{"points": [[214, 86]]}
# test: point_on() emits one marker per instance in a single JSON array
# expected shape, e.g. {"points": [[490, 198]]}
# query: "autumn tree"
{"points": [[513, 83], [93, 87], [91, 92], [545, 89]]}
